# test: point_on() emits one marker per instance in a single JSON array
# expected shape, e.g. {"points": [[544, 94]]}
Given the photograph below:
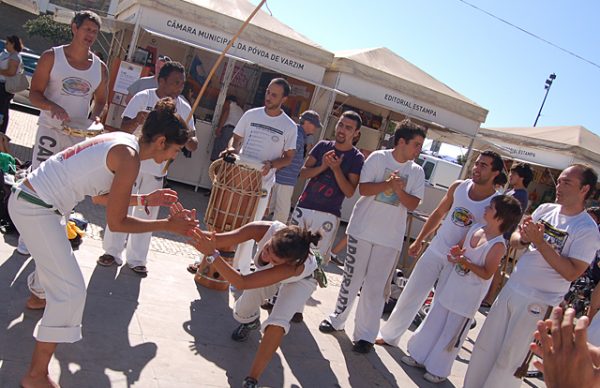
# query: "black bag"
{"points": [[6, 224]]}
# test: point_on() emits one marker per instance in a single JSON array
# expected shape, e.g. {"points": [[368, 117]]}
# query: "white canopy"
{"points": [[383, 77], [555, 147]]}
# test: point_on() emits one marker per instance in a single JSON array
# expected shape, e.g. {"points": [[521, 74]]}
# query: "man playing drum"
{"points": [[267, 135], [65, 81], [171, 80]]}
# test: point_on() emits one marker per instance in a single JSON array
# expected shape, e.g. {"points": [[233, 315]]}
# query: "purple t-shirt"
{"points": [[322, 192]]}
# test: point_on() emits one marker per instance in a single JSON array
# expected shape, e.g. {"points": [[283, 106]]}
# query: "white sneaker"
{"points": [[433, 378], [22, 248], [408, 360]]}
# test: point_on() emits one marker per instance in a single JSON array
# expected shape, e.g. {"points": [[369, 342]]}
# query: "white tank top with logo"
{"points": [[462, 290], [309, 265], [67, 177], [70, 88], [464, 213]]}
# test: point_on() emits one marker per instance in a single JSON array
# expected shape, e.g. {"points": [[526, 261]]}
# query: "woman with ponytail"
{"points": [[283, 262], [105, 168]]}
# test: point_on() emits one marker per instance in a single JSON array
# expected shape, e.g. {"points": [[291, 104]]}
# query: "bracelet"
{"points": [[523, 242], [210, 259]]}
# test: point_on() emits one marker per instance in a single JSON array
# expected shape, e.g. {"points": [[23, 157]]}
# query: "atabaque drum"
{"points": [[236, 190]]}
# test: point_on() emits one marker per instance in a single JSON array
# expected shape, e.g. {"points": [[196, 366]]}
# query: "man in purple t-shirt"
{"points": [[333, 168]]}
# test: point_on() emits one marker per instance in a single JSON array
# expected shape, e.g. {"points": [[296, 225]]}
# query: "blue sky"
{"points": [[497, 66]]}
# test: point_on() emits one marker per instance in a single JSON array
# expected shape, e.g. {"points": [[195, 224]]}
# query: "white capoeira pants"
{"points": [[48, 141], [421, 280], [367, 265], [438, 340], [315, 220], [291, 297], [138, 244], [281, 202], [503, 342], [57, 270], [243, 254]]}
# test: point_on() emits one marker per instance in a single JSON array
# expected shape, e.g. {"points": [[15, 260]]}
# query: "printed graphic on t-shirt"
{"points": [[261, 137], [462, 217], [77, 148], [554, 236], [389, 196], [76, 86], [460, 270]]}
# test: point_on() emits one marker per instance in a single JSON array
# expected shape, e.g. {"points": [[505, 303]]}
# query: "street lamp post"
{"points": [[547, 86]]}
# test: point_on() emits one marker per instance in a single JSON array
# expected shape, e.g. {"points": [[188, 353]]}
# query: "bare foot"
{"points": [[35, 303], [38, 382], [380, 341]]}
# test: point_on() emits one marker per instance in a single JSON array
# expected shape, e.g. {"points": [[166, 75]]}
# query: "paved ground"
{"points": [[164, 331]]}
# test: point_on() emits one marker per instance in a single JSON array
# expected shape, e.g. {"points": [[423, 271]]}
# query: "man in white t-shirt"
{"points": [[562, 240], [150, 82], [170, 84], [265, 135], [391, 184]]}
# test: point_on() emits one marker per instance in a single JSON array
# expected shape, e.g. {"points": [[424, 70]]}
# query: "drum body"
{"points": [[236, 190]]}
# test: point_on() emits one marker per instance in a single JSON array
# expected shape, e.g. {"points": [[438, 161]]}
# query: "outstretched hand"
{"points": [[162, 197], [204, 242], [182, 221]]}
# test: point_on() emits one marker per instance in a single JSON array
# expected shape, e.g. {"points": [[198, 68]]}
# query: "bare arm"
{"points": [[257, 279], [224, 115], [569, 268], [309, 170], [101, 95], [39, 82], [492, 260], [125, 164], [434, 220], [236, 143], [12, 68]]}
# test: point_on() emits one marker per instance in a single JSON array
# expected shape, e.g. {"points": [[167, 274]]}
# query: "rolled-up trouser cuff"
{"points": [[57, 334], [34, 286]]}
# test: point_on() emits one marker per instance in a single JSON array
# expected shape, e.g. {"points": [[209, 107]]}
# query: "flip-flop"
{"points": [[106, 260], [192, 268], [140, 269]]}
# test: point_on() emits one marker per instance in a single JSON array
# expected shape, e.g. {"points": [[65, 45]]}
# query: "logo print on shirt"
{"points": [[554, 236], [462, 217], [75, 86]]}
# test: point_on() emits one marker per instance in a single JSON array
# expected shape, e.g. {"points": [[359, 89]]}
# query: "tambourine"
{"points": [[82, 128]]}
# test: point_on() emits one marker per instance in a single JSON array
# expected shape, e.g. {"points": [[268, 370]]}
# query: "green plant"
{"points": [[44, 26]]}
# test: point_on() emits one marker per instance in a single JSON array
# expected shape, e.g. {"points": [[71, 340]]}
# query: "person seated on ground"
{"points": [[283, 262]]}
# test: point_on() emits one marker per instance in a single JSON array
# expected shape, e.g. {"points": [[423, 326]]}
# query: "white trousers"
{"points": [[138, 244], [438, 340], [367, 265], [316, 220], [57, 271], [504, 339], [243, 253], [290, 298], [421, 280], [281, 202], [48, 142]]}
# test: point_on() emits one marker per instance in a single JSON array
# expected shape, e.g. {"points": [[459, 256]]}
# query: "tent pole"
{"points": [[463, 170]]}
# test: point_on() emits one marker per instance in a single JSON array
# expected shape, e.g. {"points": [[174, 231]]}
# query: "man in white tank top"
{"points": [[462, 206], [171, 80], [65, 81]]}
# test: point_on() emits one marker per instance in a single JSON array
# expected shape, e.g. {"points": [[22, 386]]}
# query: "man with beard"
{"points": [[266, 135], [561, 240], [462, 206]]}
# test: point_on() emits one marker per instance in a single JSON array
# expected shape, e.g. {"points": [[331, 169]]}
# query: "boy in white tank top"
{"points": [[65, 81], [474, 260], [462, 206]]}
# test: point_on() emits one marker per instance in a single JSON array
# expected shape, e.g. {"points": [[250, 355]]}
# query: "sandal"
{"points": [[193, 268], [140, 269], [106, 260]]}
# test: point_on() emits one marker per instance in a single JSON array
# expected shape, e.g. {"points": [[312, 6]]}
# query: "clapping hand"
{"points": [[204, 242], [331, 160], [455, 254], [162, 197], [181, 220]]}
